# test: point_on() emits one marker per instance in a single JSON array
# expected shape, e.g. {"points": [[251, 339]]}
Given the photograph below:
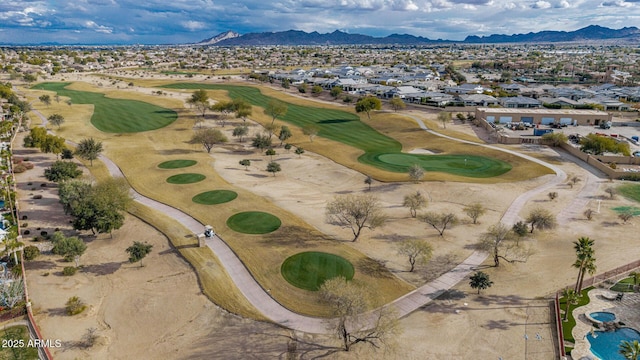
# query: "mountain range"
{"points": [[297, 37]]}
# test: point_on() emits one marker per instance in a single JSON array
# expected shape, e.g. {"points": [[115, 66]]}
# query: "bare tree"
{"points": [[348, 301], [573, 181], [416, 250], [416, 172], [414, 202], [500, 242], [355, 212], [588, 214], [440, 222], [474, 211], [208, 138], [552, 195], [611, 191], [625, 216], [541, 219]]}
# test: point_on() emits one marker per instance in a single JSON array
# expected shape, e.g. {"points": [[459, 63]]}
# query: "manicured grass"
{"points": [[176, 164], [630, 191], [624, 285], [188, 178], [215, 197], [623, 209], [567, 326], [116, 115], [253, 222], [309, 270], [380, 151], [12, 349]]}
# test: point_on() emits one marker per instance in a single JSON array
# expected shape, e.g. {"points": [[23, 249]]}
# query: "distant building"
{"points": [[543, 116]]}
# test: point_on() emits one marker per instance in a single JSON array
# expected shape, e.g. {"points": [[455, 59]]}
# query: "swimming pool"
{"points": [[603, 316], [605, 344]]}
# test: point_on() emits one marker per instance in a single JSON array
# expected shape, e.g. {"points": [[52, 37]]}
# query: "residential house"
{"points": [[520, 102]]}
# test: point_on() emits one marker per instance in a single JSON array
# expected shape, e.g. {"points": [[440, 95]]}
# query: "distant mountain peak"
{"points": [[220, 37]]}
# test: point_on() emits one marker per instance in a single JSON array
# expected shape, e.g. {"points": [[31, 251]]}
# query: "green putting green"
{"points": [[308, 270], [380, 151], [176, 164], [253, 222], [188, 178], [116, 115], [623, 209], [214, 197], [630, 191]]}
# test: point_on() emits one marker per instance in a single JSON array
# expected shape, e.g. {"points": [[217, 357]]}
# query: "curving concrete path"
{"points": [[261, 299]]}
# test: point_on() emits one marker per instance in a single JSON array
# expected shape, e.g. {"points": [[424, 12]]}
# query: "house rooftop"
{"points": [[544, 111]]}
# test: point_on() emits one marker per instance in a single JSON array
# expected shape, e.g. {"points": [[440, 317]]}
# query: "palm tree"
{"points": [[571, 297], [584, 258], [630, 349]]}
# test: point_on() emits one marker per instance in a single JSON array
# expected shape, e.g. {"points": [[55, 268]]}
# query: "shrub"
{"points": [[75, 306], [26, 232], [25, 225], [62, 170], [43, 185], [29, 183], [24, 217], [45, 274], [37, 197], [69, 271], [29, 166], [43, 233], [20, 168], [31, 252]]}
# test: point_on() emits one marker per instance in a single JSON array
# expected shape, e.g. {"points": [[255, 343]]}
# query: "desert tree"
{"points": [[89, 149], [474, 211], [56, 120], [70, 248], [367, 104], [261, 141], [555, 139], [316, 90], [270, 153], [520, 229], [588, 214], [480, 281], [355, 212], [444, 117], [200, 100], [611, 191], [417, 251], [573, 180], [299, 151], [552, 195], [414, 202], [500, 242], [348, 302], [629, 349], [416, 172], [138, 251], [585, 260], [397, 104], [45, 99], [242, 109], [368, 181], [285, 133], [246, 163], [541, 219], [311, 131], [208, 138], [625, 216], [240, 132], [61, 171], [275, 109], [273, 167], [571, 298], [336, 91], [439, 221]]}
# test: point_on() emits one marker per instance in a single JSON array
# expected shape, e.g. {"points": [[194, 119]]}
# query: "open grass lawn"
{"points": [[176, 164], [13, 335], [254, 222], [309, 270], [624, 285], [623, 209], [188, 178], [567, 326], [379, 150], [630, 191], [214, 197], [116, 115]]}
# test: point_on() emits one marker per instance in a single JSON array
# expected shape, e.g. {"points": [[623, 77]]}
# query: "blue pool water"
{"points": [[603, 316], [605, 345]]}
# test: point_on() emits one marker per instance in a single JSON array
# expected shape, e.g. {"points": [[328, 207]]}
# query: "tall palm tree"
{"points": [[584, 256], [571, 297], [630, 350]]}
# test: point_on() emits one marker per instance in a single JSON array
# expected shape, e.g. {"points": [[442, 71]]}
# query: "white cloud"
{"points": [[541, 4], [98, 28], [194, 25]]}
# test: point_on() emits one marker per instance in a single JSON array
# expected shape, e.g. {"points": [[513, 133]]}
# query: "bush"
{"points": [[20, 168], [27, 165], [37, 197], [62, 170], [43, 185], [26, 232], [43, 233], [69, 270], [75, 306], [25, 225], [24, 217], [31, 252]]}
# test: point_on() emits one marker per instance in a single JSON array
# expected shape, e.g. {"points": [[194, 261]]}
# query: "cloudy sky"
{"points": [[188, 21]]}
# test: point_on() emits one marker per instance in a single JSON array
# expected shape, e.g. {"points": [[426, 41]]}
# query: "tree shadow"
{"points": [[609, 223], [501, 300], [260, 176], [102, 269], [40, 265], [174, 152], [294, 236], [395, 237], [374, 268], [498, 325], [56, 312]]}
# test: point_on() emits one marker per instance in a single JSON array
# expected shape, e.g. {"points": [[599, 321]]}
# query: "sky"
{"points": [[190, 21]]}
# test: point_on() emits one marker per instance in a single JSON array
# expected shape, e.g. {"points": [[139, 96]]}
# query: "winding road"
{"points": [[404, 305]]}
